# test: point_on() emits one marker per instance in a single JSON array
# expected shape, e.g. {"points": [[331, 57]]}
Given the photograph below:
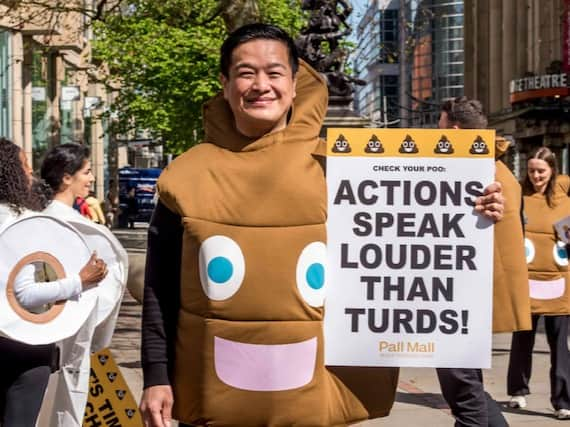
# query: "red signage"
{"points": [[566, 36]]}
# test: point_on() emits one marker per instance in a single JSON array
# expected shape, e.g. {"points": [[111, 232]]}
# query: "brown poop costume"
{"points": [[511, 302], [546, 256], [249, 348]]}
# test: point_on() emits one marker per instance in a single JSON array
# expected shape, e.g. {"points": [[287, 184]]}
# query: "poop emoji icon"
{"points": [[341, 145], [443, 146], [408, 146], [374, 145], [479, 146]]}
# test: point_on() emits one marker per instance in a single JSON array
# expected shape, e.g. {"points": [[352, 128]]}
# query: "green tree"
{"points": [[162, 58]]}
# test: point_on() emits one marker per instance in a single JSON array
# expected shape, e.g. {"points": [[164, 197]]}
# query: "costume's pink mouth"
{"points": [[259, 367], [547, 289]]}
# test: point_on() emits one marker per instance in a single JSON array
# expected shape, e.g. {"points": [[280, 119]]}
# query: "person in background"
{"points": [[25, 369], [546, 202], [95, 209], [111, 204], [81, 206], [132, 207], [463, 389]]}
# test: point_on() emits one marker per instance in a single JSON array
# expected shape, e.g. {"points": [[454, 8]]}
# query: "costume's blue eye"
{"points": [[559, 254], [316, 275], [222, 267], [529, 250], [311, 280]]}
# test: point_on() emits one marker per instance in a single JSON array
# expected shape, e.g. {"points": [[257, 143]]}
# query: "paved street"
{"points": [[126, 344], [419, 402]]}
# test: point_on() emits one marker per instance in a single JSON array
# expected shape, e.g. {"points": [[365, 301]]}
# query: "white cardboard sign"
{"points": [[410, 264]]}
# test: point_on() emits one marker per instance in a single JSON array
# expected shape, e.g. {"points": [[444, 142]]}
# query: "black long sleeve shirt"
{"points": [[161, 296]]}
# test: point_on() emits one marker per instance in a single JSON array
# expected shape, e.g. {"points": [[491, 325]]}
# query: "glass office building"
{"points": [[376, 62], [437, 57]]}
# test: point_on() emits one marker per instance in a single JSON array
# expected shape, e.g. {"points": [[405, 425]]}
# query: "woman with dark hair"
{"points": [[546, 201], [66, 169], [25, 369]]}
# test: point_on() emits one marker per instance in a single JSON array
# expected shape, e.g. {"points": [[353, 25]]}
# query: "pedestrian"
{"points": [[95, 209], [132, 207], [25, 369], [463, 388], [546, 202], [232, 330], [111, 204], [81, 206], [66, 170]]}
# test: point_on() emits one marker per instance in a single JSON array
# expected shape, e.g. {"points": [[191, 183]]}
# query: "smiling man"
{"points": [[235, 279]]}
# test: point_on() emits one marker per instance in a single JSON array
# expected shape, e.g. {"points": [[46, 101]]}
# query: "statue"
{"points": [[327, 25]]}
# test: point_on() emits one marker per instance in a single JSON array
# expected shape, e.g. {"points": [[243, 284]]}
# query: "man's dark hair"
{"points": [[60, 160], [14, 183], [257, 31], [466, 113]]}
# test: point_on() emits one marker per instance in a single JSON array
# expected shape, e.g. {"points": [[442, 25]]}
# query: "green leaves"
{"points": [[165, 55]]}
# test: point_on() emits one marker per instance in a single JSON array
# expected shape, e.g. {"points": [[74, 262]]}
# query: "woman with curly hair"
{"points": [[25, 369]]}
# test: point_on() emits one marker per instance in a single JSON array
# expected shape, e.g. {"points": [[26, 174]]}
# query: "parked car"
{"points": [[143, 181]]}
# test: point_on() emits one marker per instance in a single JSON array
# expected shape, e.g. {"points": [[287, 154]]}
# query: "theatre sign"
{"points": [[533, 87]]}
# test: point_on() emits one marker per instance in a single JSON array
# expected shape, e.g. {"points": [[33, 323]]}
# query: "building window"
{"points": [[41, 122], [5, 87]]}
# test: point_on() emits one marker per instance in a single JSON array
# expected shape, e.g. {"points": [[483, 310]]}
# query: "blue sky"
{"points": [[359, 7]]}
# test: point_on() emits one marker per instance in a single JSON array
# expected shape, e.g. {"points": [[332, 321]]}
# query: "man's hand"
{"points": [[93, 272], [492, 203], [156, 406]]}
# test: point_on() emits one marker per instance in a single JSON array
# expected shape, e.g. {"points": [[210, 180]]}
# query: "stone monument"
{"points": [[320, 45]]}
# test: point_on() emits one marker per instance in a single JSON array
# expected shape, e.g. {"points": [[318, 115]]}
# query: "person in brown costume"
{"points": [[546, 202], [235, 279], [463, 388], [232, 332]]}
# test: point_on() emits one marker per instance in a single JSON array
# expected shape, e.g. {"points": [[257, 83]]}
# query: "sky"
{"points": [[359, 8]]}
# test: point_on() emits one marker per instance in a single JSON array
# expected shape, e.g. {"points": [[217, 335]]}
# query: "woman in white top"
{"points": [[25, 369]]}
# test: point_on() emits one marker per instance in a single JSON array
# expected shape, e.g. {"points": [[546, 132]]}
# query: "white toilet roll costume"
{"points": [[83, 323], [36, 238], [66, 245]]}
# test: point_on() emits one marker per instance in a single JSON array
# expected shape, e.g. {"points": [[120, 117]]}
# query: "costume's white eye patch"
{"points": [[222, 267], [311, 267], [559, 254], [529, 250]]}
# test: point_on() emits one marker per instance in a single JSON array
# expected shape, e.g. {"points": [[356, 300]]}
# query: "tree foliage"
{"points": [[162, 58]]}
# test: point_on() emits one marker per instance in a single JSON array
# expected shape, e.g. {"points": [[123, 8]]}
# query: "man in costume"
{"points": [[235, 280]]}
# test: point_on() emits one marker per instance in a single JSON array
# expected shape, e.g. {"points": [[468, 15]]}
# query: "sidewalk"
{"points": [[418, 402]]}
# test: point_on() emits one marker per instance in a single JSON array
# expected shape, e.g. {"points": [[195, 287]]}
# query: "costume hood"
{"points": [[307, 115]]}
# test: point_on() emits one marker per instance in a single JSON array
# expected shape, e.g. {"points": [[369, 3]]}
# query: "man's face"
{"points": [[260, 88]]}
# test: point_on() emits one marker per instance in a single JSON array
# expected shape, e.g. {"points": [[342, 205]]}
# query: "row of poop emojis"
{"points": [[409, 146]]}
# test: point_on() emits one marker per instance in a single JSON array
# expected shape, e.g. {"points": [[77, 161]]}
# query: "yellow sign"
{"points": [[439, 143], [110, 402]]}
